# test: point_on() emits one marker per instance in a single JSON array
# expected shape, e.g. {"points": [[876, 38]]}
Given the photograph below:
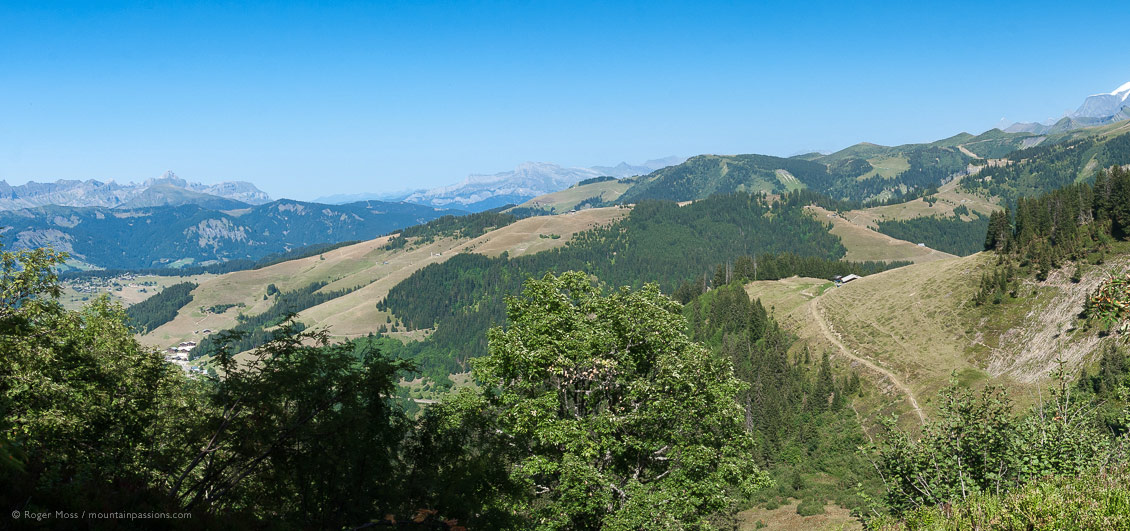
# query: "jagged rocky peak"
{"points": [[168, 178], [111, 194]]}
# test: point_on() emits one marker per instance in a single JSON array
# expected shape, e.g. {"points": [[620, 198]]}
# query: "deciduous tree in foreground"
{"points": [[619, 420]]}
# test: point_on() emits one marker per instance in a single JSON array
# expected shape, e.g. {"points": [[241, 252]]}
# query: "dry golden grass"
{"points": [[131, 291], [564, 200], [885, 167], [785, 517], [864, 244], [525, 236], [919, 324], [364, 264], [949, 197]]}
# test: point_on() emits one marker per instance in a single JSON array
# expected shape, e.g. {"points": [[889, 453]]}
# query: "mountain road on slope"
{"points": [[826, 330]]}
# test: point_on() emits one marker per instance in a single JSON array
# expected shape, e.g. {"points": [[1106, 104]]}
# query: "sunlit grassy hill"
{"points": [[368, 268], [918, 325]]}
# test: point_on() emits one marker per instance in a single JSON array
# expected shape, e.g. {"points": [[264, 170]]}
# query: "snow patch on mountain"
{"points": [[1097, 109]]}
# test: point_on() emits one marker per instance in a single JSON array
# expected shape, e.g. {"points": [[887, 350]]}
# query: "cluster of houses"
{"points": [[179, 355], [94, 285]]}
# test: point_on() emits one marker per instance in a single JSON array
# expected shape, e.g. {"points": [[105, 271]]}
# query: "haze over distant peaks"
{"points": [[1103, 105], [168, 189], [531, 179], [1097, 109], [627, 170]]}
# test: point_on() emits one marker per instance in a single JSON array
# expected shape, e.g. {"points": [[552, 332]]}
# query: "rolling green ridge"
{"points": [[658, 242], [1057, 162], [161, 236]]}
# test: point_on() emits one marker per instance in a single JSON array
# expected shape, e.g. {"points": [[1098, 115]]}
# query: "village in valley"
{"points": [[180, 356], [125, 288]]}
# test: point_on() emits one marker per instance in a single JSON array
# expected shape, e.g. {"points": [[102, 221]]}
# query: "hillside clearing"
{"points": [[918, 324], [865, 244], [949, 197], [567, 199]]}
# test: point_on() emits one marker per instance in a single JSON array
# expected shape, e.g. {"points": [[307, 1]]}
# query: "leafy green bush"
{"points": [[810, 507], [1092, 501], [975, 449], [974, 453]]}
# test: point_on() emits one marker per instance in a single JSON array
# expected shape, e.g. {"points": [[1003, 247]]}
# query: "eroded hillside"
{"points": [[918, 325]]}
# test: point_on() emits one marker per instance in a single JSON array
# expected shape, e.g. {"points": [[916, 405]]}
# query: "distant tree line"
{"points": [[658, 241], [1077, 223], [229, 266], [160, 308], [1064, 223], [948, 234], [1047, 167], [594, 180], [775, 267], [257, 330], [467, 226]]}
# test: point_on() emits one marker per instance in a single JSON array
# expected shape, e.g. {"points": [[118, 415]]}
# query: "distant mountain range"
{"points": [[482, 192], [1098, 109], [166, 190], [164, 235]]}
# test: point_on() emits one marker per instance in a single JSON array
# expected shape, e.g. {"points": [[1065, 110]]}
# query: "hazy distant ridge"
{"points": [[168, 189], [481, 192]]}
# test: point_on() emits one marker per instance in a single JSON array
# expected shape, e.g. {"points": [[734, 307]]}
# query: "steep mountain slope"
{"points": [[919, 323], [1055, 162], [529, 180], [704, 175], [160, 236], [1104, 105], [863, 172], [630, 170]]}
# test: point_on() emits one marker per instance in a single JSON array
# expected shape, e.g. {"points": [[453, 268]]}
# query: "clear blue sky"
{"points": [[312, 99]]}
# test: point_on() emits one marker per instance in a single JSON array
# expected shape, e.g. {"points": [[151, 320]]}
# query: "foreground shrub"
{"points": [[1092, 501]]}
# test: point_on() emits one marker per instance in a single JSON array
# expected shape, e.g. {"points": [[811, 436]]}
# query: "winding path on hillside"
{"points": [[826, 329]]}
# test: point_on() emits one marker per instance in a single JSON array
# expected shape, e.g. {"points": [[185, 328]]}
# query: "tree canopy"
{"points": [[621, 420]]}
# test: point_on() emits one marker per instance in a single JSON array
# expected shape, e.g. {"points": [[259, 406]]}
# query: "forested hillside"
{"points": [[948, 234], [865, 172], [658, 242], [1076, 225], [1053, 164], [160, 308], [175, 236]]}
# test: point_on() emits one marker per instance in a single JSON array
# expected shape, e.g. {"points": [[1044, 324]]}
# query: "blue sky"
{"points": [[308, 99]]}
